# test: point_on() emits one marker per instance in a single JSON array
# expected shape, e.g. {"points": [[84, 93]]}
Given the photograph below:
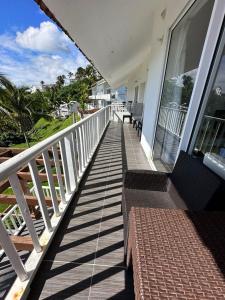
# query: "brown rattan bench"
{"points": [[177, 254], [191, 186]]}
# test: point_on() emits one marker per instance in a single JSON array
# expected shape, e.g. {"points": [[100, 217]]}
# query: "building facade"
{"points": [[102, 90], [170, 56]]}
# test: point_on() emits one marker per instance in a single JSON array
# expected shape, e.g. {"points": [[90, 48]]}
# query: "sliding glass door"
{"points": [[186, 44], [208, 139]]}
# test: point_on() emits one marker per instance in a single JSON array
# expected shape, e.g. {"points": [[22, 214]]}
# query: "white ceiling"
{"points": [[114, 34]]}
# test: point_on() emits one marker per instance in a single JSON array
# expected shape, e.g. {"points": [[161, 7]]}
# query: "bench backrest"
{"points": [[199, 187]]}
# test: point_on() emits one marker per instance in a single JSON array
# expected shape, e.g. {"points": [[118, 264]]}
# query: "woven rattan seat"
{"points": [[177, 254], [191, 186]]}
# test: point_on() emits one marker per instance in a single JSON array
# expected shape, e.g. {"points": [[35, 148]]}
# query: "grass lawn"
{"points": [[44, 129], [3, 207]]}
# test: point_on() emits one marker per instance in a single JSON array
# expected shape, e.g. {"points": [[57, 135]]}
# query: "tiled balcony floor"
{"points": [[134, 153], [85, 260]]}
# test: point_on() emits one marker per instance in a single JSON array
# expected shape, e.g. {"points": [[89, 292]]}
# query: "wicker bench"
{"points": [[191, 186], [177, 254]]}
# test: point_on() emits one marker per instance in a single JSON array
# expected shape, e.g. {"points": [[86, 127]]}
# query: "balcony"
{"points": [[78, 241]]}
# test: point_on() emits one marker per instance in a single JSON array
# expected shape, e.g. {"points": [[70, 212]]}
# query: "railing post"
{"points": [[98, 127], [80, 151], [58, 173], [84, 132], [51, 182], [39, 193], [82, 147], [12, 254], [96, 131], [75, 162], [88, 139], [70, 161], [105, 119], [65, 166], [15, 184]]}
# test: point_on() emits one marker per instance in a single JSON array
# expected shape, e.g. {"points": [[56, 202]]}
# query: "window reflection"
{"points": [[211, 135], [186, 46]]}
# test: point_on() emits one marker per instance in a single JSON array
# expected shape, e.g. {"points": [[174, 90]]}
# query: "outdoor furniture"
{"points": [[135, 122], [191, 186], [136, 111], [177, 254], [139, 128], [127, 115], [122, 115]]}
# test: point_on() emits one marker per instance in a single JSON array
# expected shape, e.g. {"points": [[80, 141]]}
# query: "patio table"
{"points": [[177, 254], [123, 115]]}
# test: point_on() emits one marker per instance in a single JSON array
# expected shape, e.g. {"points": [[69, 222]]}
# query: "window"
{"points": [[186, 44], [136, 94], [210, 141], [142, 92]]}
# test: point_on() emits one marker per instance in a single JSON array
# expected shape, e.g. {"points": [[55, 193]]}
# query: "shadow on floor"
{"points": [[85, 260]]}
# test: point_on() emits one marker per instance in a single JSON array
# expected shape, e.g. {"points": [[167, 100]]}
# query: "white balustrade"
{"points": [[13, 227], [172, 119], [66, 156], [13, 222], [118, 107], [211, 135]]}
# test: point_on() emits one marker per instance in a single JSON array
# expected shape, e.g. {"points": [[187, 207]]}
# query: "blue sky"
{"points": [[32, 48]]}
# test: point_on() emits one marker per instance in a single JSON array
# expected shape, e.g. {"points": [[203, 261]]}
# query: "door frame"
{"points": [[212, 35], [208, 88], [203, 73]]}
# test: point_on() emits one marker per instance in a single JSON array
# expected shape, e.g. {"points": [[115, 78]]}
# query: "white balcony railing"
{"points": [[46, 190], [66, 156], [211, 135], [13, 220], [118, 107], [172, 119]]}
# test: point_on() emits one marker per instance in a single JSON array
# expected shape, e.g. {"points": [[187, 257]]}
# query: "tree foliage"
{"points": [[179, 94], [21, 107], [15, 105]]}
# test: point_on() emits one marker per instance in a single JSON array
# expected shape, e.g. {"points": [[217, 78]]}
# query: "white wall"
{"points": [[138, 78]]}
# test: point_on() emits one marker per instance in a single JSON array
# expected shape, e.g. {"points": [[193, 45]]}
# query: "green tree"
{"points": [[187, 89], [90, 75], [70, 75], [80, 74], [60, 81], [42, 83], [15, 105]]}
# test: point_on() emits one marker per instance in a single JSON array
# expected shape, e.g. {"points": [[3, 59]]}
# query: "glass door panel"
{"points": [[210, 141], [187, 40]]}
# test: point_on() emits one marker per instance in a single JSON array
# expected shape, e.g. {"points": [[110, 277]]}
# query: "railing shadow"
{"points": [[93, 196], [7, 274]]}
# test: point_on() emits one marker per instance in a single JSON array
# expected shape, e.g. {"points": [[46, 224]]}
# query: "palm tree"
{"points": [[80, 74], [42, 84], [15, 104], [60, 81], [70, 74]]}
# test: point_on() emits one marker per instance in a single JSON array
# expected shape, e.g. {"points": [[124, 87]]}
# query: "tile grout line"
{"points": [[100, 224], [83, 264]]}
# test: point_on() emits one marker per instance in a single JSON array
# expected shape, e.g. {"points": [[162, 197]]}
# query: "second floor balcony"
{"points": [[78, 238]]}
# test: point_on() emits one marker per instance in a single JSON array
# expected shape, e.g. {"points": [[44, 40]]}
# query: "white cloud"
{"points": [[8, 42], [44, 67], [46, 38], [53, 54]]}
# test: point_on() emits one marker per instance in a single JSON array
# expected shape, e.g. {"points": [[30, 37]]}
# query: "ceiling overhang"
{"points": [[115, 35]]}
